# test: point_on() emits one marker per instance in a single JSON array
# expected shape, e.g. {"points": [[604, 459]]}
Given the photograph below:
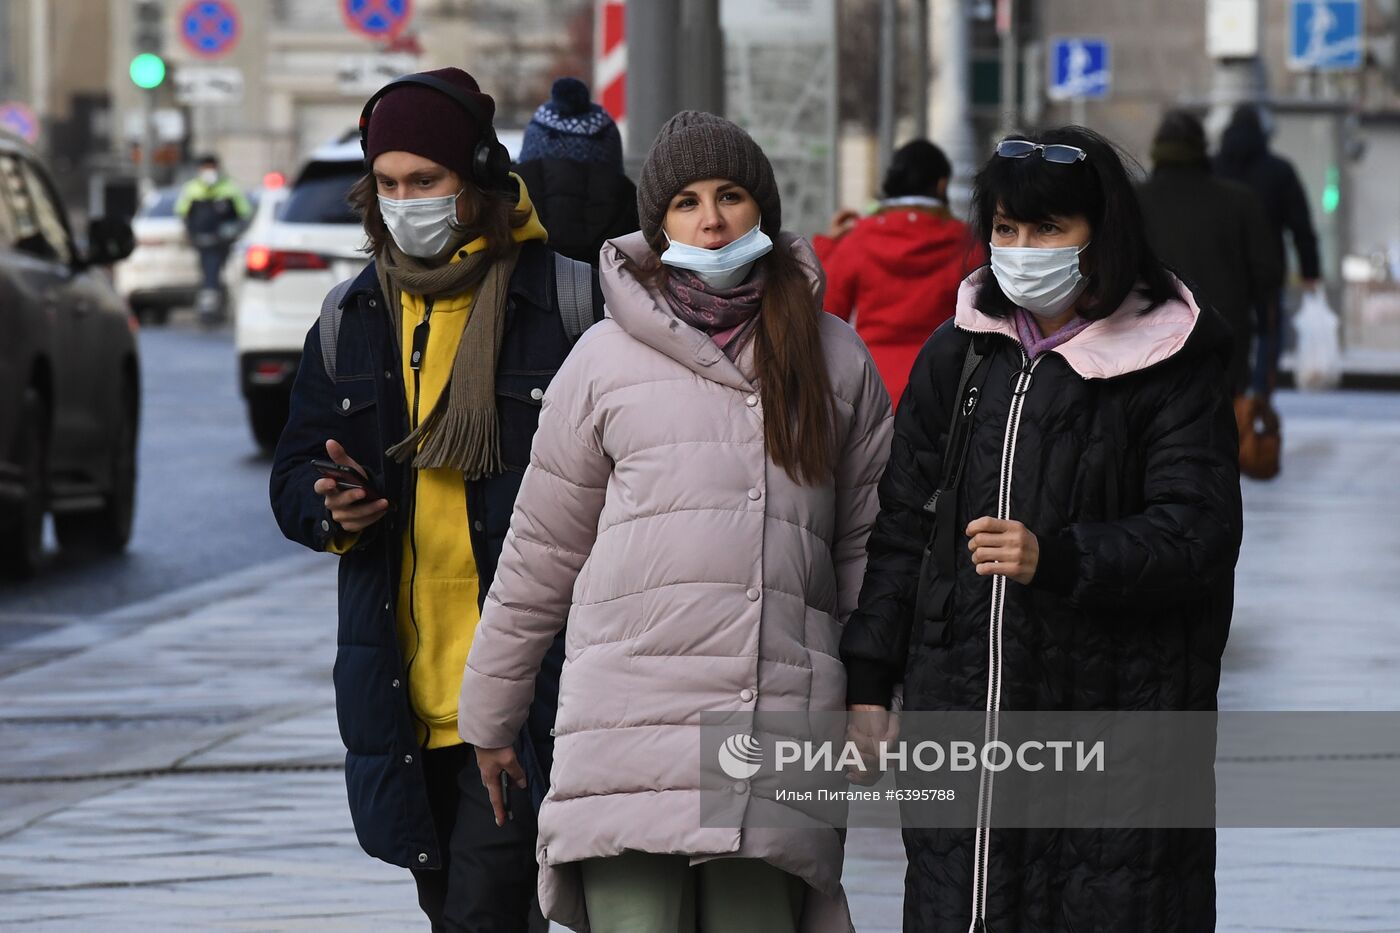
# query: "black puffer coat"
{"points": [[1123, 463], [581, 204]]}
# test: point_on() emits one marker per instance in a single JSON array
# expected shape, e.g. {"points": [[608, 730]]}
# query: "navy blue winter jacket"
{"points": [[364, 409]]}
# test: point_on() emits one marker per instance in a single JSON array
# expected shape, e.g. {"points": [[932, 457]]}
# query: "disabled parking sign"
{"points": [[1325, 35], [1079, 69]]}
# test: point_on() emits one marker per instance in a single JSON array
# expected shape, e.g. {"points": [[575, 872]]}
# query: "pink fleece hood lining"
{"points": [[1122, 343]]}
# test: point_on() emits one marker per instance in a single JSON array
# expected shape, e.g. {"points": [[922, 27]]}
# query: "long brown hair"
{"points": [[489, 214], [791, 367]]}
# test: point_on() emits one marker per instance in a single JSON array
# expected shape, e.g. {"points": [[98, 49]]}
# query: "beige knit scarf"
{"points": [[460, 432]]}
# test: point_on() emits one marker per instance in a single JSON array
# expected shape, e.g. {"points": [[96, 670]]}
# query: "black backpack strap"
{"points": [[573, 293], [939, 567], [329, 325]]}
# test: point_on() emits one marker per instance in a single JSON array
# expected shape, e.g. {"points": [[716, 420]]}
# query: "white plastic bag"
{"points": [[1318, 363]]}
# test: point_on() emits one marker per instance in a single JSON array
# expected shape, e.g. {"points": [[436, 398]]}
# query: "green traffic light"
{"points": [[147, 70], [1332, 192]]}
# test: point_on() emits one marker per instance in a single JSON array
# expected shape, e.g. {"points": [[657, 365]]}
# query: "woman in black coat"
{"points": [[1084, 561]]}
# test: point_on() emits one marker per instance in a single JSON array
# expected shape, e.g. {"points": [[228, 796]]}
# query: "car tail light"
{"points": [[266, 263], [270, 372]]}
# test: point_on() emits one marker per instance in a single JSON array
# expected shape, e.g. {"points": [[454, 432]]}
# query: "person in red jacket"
{"points": [[894, 275]]}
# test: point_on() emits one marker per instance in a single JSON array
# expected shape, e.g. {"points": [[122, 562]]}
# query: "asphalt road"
{"points": [[202, 508]]}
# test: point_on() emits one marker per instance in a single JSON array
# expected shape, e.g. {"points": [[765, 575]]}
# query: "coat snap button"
{"points": [[478, 526], [741, 787], [537, 394], [746, 694], [396, 683], [751, 401], [408, 759], [752, 594], [345, 404], [422, 856], [325, 525], [754, 494]]}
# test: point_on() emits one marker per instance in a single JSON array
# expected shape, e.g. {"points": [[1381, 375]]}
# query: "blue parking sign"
{"points": [[1325, 35], [1079, 69]]}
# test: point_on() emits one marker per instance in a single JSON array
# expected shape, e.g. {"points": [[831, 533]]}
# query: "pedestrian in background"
{"points": [[428, 390], [571, 160], [696, 508], [1213, 233], [894, 275], [1085, 558], [1244, 156], [214, 210]]}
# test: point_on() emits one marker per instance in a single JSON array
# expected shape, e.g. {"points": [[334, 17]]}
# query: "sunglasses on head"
{"points": [[1024, 148]]}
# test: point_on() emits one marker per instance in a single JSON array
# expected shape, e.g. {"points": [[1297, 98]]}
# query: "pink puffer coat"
{"points": [[694, 575]]}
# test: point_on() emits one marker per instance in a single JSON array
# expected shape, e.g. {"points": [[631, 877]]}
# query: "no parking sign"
{"points": [[210, 28], [378, 19], [20, 120]]}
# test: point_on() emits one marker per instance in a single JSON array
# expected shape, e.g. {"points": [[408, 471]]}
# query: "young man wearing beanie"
{"points": [[571, 160], [424, 378]]}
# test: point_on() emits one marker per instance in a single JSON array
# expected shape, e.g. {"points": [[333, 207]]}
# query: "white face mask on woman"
{"points": [[1044, 281], [720, 268], [422, 227]]}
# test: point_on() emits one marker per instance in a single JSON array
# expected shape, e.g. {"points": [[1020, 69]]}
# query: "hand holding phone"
{"points": [[349, 496], [346, 477]]}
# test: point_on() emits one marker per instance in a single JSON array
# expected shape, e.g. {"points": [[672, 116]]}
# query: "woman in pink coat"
{"points": [[696, 508]]}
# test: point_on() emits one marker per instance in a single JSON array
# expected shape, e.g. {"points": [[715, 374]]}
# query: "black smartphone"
{"points": [[505, 795], [346, 477]]}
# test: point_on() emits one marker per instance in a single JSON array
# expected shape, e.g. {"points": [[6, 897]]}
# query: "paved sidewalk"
{"points": [[228, 811]]}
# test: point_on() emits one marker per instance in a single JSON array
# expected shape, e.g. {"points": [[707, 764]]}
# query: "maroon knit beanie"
{"points": [[428, 123]]}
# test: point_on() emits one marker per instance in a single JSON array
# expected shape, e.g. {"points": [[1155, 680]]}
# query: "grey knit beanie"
{"points": [[692, 146]]}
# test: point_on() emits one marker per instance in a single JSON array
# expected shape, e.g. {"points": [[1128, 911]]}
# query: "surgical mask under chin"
{"points": [[720, 268], [422, 227], [1046, 282]]}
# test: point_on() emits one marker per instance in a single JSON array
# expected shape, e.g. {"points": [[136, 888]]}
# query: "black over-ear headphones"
{"points": [[490, 159]]}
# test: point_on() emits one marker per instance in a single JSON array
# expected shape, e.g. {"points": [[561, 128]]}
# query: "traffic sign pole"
{"points": [[144, 173]]}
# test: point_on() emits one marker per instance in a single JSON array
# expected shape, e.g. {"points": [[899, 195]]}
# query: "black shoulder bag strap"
{"points": [[939, 567]]}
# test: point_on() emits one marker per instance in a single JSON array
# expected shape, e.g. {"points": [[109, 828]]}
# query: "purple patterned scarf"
{"points": [[1034, 343], [727, 315]]}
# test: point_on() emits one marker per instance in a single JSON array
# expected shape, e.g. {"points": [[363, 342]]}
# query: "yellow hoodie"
{"points": [[438, 587]]}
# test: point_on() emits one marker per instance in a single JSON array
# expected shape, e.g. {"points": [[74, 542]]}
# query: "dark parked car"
{"points": [[70, 392]]}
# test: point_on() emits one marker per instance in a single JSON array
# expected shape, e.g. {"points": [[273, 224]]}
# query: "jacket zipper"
{"points": [[418, 351], [982, 845]]}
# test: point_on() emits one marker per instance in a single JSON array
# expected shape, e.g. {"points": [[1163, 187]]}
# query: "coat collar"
{"points": [[645, 315], [1126, 341]]}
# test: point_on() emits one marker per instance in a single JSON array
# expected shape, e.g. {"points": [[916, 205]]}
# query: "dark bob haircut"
{"points": [[916, 169], [1098, 188]]}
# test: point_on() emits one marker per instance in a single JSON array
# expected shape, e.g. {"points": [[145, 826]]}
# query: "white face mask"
{"points": [[720, 268], [1043, 281], [422, 227], [209, 176]]}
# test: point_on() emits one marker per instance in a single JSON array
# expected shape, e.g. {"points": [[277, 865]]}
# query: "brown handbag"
{"points": [[1259, 436]]}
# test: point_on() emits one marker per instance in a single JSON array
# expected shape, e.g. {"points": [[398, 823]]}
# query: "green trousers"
{"points": [[638, 892]]}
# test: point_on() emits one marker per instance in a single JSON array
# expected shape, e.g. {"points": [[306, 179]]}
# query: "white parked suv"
{"points": [[313, 242]]}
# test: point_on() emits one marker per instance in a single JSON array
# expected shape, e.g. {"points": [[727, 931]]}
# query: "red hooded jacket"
{"points": [[894, 278]]}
